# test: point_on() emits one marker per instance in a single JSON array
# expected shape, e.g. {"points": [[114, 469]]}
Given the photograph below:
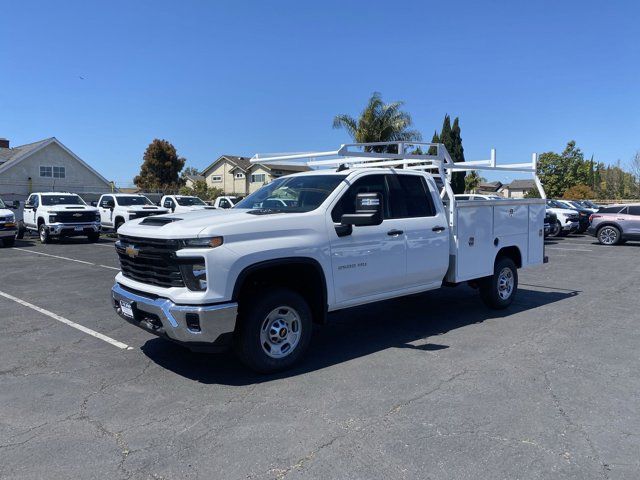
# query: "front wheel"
{"points": [[93, 237], [8, 241], [556, 229], [609, 235], [274, 330], [43, 232], [20, 231], [499, 290]]}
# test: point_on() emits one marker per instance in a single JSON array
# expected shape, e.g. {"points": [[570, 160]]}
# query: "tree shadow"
{"points": [[357, 332]]}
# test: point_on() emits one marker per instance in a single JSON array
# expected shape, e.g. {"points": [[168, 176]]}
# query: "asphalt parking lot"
{"points": [[432, 386]]}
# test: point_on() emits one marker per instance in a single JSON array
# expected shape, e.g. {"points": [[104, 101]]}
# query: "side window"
{"points": [[36, 201], [610, 210], [369, 184], [105, 202], [634, 210], [224, 203], [29, 201], [462, 197], [167, 203], [410, 197]]}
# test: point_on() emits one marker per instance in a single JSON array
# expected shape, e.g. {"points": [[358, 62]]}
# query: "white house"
{"points": [[46, 165], [517, 188]]}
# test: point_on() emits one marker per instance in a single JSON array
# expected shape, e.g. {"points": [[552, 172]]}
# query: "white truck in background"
{"points": [[118, 208], [225, 202], [183, 203], [376, 227], [8, 227], [58, 215]]}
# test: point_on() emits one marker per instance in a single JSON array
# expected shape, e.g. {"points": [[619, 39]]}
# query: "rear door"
{"points": [[371, 261], [426, 229], [633, 221]]}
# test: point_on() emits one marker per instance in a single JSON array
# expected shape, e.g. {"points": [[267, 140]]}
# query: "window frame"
{"points": [[253, 175], [216, 178], [62, 171], [239, 175], [635, 207], [50, 171]]}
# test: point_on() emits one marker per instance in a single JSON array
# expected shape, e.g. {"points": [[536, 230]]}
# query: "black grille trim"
{"points": [[155, 263], [75, 217]]}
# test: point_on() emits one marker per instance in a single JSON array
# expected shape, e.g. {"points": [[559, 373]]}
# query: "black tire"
{"points": [[494, 289], [94, 237], [117, 225], [8, 242], [609, 235], [43, 233], [556, 229], [260, 317], [20, 231]]}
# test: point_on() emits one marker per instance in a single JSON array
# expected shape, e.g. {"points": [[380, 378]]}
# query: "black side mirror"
{"points": [[368, 211], [111, 204], [94, 204], [16, 205]]}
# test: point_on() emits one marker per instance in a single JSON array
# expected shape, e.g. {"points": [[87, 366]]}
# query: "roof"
{"points": [[195, 178], [9, 154], [286, 168], [521, 185], [243, 163], [489, 186]]}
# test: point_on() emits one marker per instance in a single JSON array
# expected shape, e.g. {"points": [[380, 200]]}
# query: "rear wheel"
{"points": [[20, 231], [609, 235], [499, 290], [43, 232], [274, 330]]}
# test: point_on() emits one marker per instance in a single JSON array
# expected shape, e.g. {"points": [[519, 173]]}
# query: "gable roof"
{"points": [[194, 178], [521, 185], [24, 151], [243, 163], [490, 186], [286, 168]]}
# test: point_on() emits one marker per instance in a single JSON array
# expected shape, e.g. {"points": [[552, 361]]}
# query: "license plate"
{"points": [[78, 229], [127, 309]]}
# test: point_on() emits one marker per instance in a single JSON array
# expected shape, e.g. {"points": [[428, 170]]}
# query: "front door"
{"points": [[372, 259], [106, 212]]}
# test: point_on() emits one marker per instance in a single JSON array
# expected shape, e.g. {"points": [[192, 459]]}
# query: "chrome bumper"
{"points": [[7, 231], [69, 228], [196, 326]]}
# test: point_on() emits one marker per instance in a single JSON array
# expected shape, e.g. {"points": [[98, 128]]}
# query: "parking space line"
{"points": [[66, 258], [571, 249], [77, 326]]}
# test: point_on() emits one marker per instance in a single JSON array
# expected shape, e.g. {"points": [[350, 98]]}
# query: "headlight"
{"points": [[195, 275], [206, 242], [52, 219]]}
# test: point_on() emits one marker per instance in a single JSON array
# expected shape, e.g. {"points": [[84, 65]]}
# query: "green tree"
{"points": [[160, 167], [434, 139], [532, 193], [201, 190], [472, 181], [192, 171], [379, 122], [457, 154], [558, 172]]}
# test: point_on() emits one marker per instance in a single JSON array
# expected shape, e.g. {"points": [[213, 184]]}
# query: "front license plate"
{"points": [[127, 309], [78, 229]]}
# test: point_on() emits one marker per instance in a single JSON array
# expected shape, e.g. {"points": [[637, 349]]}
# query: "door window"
{"points": [[105, 202], [369, 184], [224, 203], [168, 203], [634, 210], [36, 201], [410, 197]]}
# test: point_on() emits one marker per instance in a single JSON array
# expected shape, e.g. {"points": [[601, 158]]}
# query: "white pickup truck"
{"points": [[364, 232], [183, 203], [7, 226], [59, 214], [118, 208]]}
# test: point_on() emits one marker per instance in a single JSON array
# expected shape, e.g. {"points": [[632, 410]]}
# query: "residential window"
{"points": [[216, 178], [239, 175], [46, 171], [257, 178], [59, 172]]}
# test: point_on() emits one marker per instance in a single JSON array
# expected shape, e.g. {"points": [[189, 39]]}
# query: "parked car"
{"points": [[225, 201], [589, 204], [616, 224], [118, 208], [550, 223], [583, 205], [7, 226], [259, 277], [567, 220], [183, 203], [583, 214], [59, 214]]}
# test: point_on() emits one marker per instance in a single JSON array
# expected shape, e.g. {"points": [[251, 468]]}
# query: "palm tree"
{"points": [[379, 122]]}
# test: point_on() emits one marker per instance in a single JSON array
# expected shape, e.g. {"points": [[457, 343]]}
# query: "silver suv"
{"points": [[616, 224]]}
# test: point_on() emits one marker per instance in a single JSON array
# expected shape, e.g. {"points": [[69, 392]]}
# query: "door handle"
{"points": [[394, 233], [438, 229]]}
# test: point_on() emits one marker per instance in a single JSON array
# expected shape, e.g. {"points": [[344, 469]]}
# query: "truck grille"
{"points": [[75, 217], [573, 217], [150, 261]]}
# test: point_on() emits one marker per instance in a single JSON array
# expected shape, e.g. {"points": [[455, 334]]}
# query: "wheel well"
{"points": [[40, 221], [513, 253], [608, 224], [304, 276], [118, 218]]}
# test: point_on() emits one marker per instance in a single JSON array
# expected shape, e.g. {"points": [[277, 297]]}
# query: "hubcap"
{"points": [[280, 332], [608, 236], [42, 233], [506, 283]]}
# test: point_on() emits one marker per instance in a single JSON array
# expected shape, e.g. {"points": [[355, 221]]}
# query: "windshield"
{"points": [[62, 200], [555, 204], [133, 200], [293, 194], [189, 201], [2, 205]]}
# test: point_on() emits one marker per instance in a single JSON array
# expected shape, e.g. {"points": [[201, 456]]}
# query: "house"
{"points": [[488, 187], [517, 188], [46, 165], [237, 175], [190, 180]]}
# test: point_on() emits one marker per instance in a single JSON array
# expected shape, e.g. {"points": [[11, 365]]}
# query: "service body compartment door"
{"points": [[536, 234], [475, 241]]}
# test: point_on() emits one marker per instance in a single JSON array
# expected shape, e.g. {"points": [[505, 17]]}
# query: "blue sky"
{"points": [[242, 77]]}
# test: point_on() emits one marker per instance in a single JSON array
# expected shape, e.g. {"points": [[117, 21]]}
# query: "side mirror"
{"points": [[368, 211], [111, 204], [94, 204], [16, 204]]}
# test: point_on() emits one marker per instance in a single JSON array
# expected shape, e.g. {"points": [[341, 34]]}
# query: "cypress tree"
{"points": [[435, 139], [457, 154]]}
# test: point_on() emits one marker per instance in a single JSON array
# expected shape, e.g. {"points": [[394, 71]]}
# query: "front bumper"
{"points": [[571, 226], [8, 230], [73, 229], [198, 327]]}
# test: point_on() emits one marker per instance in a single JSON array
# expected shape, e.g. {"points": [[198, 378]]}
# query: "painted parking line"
{"points": [[570, 249], [104, 245], [66, 258], [60, 319]]}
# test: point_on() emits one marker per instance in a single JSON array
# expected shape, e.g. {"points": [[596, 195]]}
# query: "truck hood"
{"points": [[562, 211], [68, 208], [209, 223], [5, 212]]}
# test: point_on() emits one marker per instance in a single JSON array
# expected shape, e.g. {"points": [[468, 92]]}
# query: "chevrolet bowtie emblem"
{"points": [[132, 251], [77, 214]]}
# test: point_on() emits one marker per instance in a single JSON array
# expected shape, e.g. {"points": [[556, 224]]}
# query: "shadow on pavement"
{"points": [[357, 332]]}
